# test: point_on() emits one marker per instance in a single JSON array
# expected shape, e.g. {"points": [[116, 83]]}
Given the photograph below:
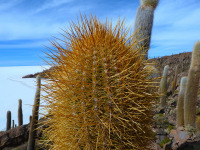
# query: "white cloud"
{"points": [[51, 4], [176, 23], [26, 28], [5, 5], [176, 26]]}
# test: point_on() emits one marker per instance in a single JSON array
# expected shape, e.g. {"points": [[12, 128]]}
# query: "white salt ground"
{"points": [[12, 88]]}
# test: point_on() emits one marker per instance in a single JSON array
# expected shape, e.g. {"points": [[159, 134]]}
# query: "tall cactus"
{"points": [[13, 124], [163, 86], [8, 125], [144, 23], [30, 118], [20, 114], [35, 113], [175, 79], [99, 92], [191, 92], [180, 105]]}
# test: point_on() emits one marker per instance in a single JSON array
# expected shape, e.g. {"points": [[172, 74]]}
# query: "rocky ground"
{"points": [[17, 138]]}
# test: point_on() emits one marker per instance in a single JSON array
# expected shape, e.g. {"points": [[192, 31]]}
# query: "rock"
{"points": [[161, 111], [167, 146], [14, 137], [190, 145], [18, 136], [179, 138], [175, 95]]}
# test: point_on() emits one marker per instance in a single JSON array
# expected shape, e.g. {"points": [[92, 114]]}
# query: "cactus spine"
{"points": [[20, 115], [191, 93], [98, 92], [163, 86], [8, 126], [144, 23], [34, 122], [180, 105]]}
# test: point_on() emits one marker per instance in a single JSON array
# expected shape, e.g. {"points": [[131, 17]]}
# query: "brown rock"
{"points": [[14, 137]]}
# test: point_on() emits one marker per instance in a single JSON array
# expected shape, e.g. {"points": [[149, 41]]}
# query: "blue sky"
{"points": [[27, 25]]}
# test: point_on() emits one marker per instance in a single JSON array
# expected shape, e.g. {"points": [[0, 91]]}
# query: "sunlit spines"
{"points": [[98, 93]]}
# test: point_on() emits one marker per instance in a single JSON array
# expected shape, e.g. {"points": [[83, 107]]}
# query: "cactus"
{"points": [[34, 122], [191, 92], [180, 105], [13, 124], [163, 86], [175, 80], [30, 118], [144, 23], [151, 3], [8, 126], [168, 81], [98, 92], [20, 115], [198, 124]]}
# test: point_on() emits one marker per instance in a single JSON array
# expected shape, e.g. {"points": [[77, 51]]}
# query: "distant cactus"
{"points": [[163, 86], [180, 105], [35, 113], [8, 126], [30, 118], [20, 114], [168, 81], [175, 79], [99, 92], [191, 92], [144, 23], [13, 124], [198, 124]]}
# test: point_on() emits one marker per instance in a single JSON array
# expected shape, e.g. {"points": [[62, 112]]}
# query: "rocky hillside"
{"points": [[168, 136], [181, 60]]}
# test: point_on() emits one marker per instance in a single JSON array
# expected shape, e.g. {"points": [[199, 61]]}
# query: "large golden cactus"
{"points": [[98, 94]]}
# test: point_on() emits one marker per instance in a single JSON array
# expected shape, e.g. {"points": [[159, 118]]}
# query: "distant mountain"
{"points": [[43, 74]]}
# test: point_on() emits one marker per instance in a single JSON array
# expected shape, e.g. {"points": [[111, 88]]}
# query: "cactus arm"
{"points": [[180, 105], [34, 121], [20, 114], [191, 93], [144, 23], [8, 125]]}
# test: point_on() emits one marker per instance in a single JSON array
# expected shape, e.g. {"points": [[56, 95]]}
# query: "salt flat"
{"points": [[12, 88]]}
